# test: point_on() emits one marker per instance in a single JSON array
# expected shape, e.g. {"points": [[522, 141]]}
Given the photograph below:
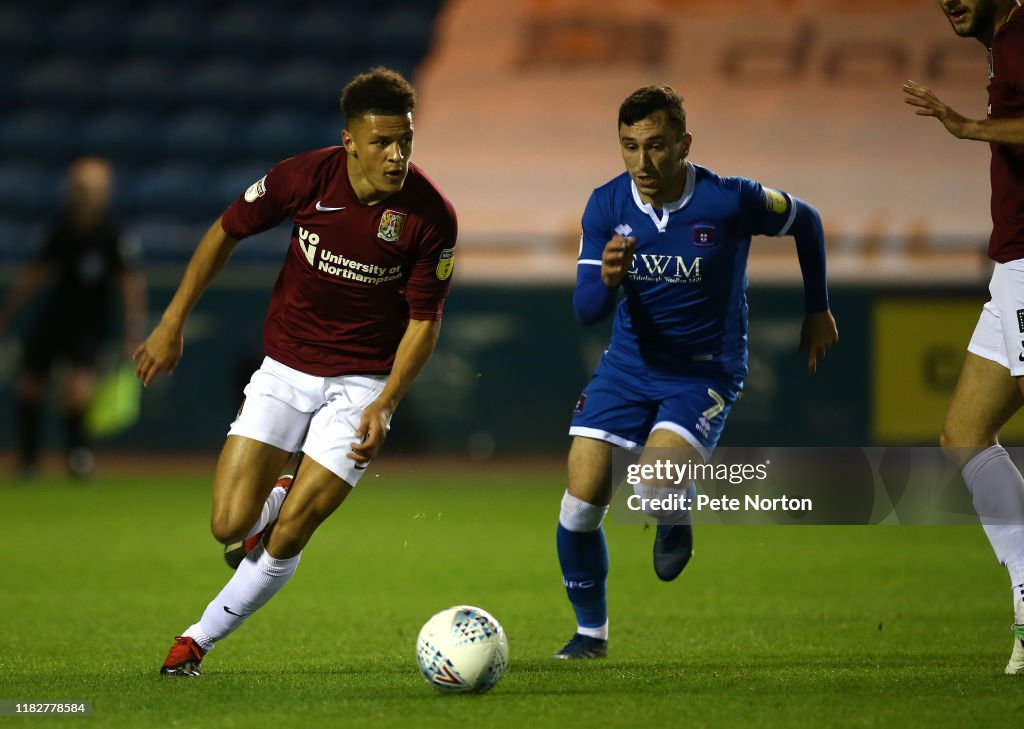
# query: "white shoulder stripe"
{"points": [[792, 215], [588, 262]]}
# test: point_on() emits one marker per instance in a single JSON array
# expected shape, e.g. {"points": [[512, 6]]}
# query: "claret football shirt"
{"points": [[354, 274], [1006, 101]]}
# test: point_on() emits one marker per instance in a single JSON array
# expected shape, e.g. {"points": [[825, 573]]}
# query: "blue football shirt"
{"points": [[685, 295]]}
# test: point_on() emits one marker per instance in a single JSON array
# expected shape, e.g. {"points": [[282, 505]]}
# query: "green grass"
{"points": [[769, 626]]}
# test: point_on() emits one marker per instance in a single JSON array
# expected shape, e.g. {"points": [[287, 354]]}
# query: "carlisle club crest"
{"points": [[703, 235], [391, 224]]}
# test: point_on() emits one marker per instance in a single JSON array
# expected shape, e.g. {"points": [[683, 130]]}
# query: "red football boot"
{"points": [[183, 659]]}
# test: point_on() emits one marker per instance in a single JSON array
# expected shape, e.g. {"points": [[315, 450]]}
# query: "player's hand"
{"points": [[928, 104], [617, 259], [373, 429], [817, 334], [161, 351]]}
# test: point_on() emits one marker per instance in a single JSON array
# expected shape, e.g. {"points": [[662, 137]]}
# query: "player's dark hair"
{"points": [[644, 102], [381, 91]]}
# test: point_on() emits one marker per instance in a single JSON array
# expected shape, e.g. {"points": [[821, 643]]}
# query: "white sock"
{"points": [[662, 494], [997, 490], [271, 508], [254, 583], [577, 515], [599, 633]]}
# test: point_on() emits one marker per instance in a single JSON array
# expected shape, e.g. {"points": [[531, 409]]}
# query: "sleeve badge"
{"points": [[775, 201], [446, 264], [256, 190]]}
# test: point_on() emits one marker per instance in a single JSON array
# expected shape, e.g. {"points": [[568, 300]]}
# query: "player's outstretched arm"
{"points": [[818, 332], [998, 131], [414, 350], [163, 348]]}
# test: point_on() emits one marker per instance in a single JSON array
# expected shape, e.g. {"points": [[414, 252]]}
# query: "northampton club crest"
{"points": [[391, 224]]}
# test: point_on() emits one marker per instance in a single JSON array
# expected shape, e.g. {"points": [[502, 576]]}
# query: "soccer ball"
{"points": [[462, 650]]}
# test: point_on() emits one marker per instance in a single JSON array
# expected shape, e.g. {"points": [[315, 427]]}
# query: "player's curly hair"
{"points": [[644, 102], [381, 91]]}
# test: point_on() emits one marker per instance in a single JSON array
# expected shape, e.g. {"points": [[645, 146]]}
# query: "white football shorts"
{"points": [[289, 409], [999, 335]]}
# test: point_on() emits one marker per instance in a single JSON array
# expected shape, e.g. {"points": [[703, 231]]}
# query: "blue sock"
{"points": [[584, 560]]}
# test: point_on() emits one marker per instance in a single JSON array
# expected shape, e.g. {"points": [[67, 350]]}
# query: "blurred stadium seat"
{"points": [[37, 136], [406, 30], [141, 82], [281, 134], [248, 30], [167, 31], [123, 136], [63, 82], [338, 31], [29, 192], [308, 84], [88, 30], [18, 36], [223, 83], [203, 135], [181, 189]]}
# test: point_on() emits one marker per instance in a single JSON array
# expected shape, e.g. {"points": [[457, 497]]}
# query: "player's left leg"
{"points": [[989, 390], [985, 397], [79, 389], [673, 541], [686, 430]]}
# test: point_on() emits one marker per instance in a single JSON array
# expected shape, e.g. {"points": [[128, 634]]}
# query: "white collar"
{"points": [[662, 222]]}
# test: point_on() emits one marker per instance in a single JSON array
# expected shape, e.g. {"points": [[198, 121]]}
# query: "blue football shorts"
{"points": [[623, 409]]}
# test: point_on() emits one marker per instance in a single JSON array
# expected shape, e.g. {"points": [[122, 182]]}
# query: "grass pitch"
{"points": [[768, 626]]}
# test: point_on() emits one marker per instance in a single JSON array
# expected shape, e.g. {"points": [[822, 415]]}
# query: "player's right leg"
{"points": [[582, 550], [246, 472], [610, 412], [235, 552]]}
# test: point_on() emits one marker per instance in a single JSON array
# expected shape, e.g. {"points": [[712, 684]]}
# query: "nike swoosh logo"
{"points": [[323, 209], [229, 611]]}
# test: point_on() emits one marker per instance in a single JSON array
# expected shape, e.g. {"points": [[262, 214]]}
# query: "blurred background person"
{"points": [[85, 259]]}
